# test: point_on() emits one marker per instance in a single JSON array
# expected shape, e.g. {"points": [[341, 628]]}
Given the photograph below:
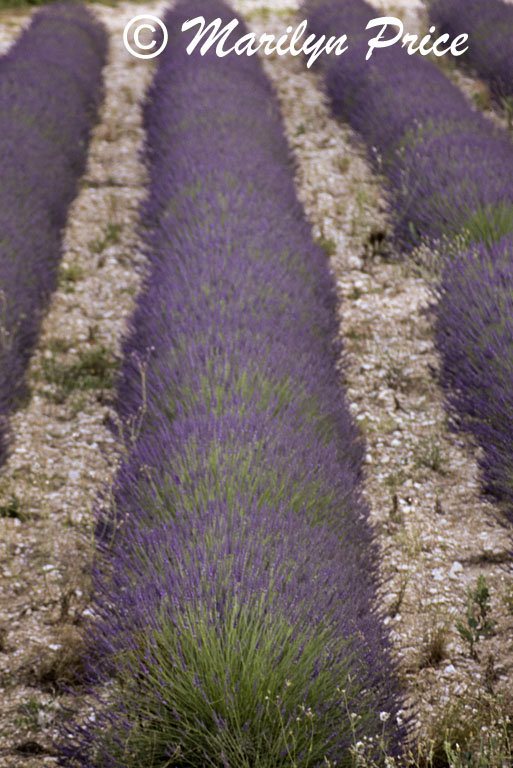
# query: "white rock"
{"points": [[456, 568]]}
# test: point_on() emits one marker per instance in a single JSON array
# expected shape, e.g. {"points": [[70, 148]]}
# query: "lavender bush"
{"points": [[235, 587], [490, 29], [50, 86], [474, 328], [448, 169], [449, 179]]}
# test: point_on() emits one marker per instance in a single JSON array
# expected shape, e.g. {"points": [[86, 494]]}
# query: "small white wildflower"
{"points": [[287, 683], [383, 716]]}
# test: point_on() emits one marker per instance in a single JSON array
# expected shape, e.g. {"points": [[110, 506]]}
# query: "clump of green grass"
{"points": [[429, 455], [395, 479], [58, 345], [12, 508], [435, 645], [27, 714], [327, 244], [355, 293], [437, 621], [482, 97], [95, 369], [343, 163], [110, 237], [70, 274]]}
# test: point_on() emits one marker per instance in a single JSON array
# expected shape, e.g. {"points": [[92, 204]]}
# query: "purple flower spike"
{"points": [[490, 29], [235, 584]]}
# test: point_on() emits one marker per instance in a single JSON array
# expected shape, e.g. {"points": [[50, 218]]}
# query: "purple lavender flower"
{"points": [[474, 328], [235, 585], [490, 29], [50, 87], [444, 163]]}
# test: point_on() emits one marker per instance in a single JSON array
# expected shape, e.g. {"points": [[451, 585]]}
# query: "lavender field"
{"points": [[256, 472]]}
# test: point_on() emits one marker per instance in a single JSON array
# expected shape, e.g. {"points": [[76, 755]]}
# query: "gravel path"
{"points": [[436, 532]]}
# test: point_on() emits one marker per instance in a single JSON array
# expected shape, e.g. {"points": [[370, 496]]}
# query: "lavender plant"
{"points": [[473, 330], [446, 165], [235, 586], [449, 178], [490, 28], [50, 87]]}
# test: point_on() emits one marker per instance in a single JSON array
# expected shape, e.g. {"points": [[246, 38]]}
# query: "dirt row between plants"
{"points": [[436, 532]]}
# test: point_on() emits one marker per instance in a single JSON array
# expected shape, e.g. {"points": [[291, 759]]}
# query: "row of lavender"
{"points": [[235, 587], [50, 86], [451, 184], [490, 27]]}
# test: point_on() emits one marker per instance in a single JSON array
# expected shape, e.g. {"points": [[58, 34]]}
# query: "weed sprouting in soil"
{"points": [[94, 369]]}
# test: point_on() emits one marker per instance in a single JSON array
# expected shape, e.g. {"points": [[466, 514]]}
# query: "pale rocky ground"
{"points": [[436, 532], [11, 24]]}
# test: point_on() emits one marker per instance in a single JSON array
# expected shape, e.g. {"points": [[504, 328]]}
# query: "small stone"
{"points": [[456, 568]]}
